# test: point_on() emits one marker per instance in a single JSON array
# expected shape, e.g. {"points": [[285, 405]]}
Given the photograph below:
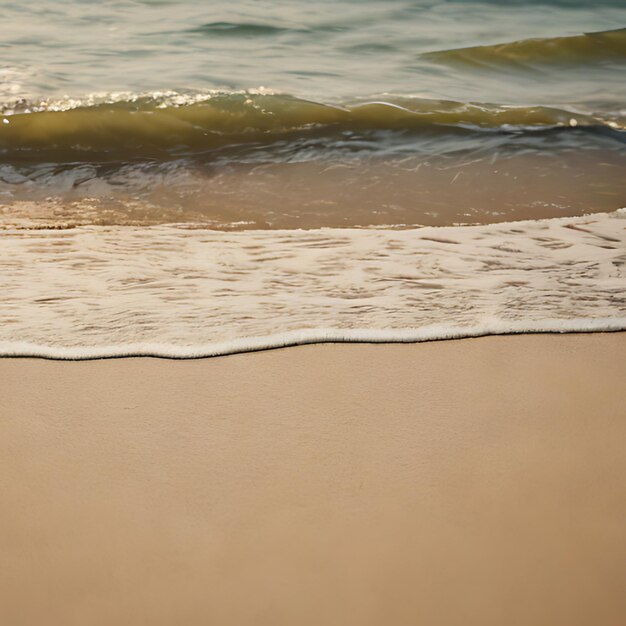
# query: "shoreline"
{"points": [[336, 484], [295, 339]]}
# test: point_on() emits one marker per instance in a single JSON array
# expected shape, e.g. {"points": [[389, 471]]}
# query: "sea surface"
{"points": [[140, 139]]}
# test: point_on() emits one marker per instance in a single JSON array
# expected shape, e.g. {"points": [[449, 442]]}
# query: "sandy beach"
{"points": [[475, 481], [312, 313]]}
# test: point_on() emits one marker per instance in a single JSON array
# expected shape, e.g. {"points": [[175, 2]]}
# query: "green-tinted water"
{"points": [[105, 102]]}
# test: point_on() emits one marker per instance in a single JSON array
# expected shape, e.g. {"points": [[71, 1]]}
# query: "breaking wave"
{"points": [[163, 126]]}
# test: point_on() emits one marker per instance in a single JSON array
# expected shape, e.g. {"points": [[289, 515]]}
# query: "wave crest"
{"points": [[588, 48], [162, 126]]}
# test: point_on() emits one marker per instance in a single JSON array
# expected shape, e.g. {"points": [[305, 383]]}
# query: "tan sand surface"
{"points": [[469, 482]]}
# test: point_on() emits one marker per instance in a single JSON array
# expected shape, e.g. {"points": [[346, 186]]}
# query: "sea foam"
{"points": [[98, 292]]}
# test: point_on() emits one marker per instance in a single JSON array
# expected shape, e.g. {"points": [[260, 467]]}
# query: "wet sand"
{"points": [[476, 481]]}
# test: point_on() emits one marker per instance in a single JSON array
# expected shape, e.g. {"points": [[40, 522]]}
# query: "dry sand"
{"points": [[465, 482]]}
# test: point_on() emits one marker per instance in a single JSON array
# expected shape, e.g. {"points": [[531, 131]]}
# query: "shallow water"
{"points": [[291, 114], [132, 132], [90, 292], [325, 50]]}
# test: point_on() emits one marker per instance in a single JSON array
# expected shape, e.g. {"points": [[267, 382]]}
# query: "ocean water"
{"points": [[155, 124]]}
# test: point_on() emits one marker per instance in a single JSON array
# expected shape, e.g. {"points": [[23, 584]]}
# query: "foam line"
{"points": [[310, 336]]}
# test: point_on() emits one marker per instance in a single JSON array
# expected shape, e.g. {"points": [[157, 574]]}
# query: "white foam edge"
{"points": [[312, 336]]}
